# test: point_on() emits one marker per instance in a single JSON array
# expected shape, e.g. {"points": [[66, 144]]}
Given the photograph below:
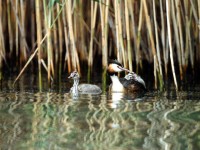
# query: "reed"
{"points": [[60, 35], [138, 40], [128, 36], [16, 32], [23, 44], [39, 38], [164, 38], [73, 50], [156, 55], [2, 45], [66, 33], [10, 33], [104, 30], [93, 22], [170, 42]]}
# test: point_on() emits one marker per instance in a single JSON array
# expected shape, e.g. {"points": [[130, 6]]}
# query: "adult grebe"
{"points": [[82, 88], [130, 83]]}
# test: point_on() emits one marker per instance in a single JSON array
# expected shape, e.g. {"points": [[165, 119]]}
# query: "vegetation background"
{"points": [[60, 35]]}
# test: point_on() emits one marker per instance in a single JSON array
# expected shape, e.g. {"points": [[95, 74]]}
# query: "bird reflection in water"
{"points": [[115, 98]]}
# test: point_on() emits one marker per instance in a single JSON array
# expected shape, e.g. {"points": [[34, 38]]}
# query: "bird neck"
{"points": [[116, 84], [74, 88]]}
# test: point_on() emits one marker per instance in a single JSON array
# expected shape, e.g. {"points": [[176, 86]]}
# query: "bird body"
{"points": [[82, 88], [89, 88], [116, 85], [130, 83]]}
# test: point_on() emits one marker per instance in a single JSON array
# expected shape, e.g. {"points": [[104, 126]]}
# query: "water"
{"points": [[30, 119]]}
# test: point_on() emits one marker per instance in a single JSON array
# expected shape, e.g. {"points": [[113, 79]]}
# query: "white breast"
{"points": [[116, 84]]}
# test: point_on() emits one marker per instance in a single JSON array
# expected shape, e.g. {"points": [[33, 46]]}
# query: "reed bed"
{"points": [[60, 35]]}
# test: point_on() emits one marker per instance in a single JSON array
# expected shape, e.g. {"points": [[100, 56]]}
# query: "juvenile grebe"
{"points": [[131, 82], [82, 88]]}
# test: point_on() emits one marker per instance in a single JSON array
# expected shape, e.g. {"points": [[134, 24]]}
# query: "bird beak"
{"points": [[70, 77], [124, 69]]}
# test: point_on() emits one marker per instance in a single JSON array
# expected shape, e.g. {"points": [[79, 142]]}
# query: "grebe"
{"points": [[82, 88], [130, 83]]}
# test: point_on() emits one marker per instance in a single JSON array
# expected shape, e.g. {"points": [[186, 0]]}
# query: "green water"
{"points": [[56, 120]]}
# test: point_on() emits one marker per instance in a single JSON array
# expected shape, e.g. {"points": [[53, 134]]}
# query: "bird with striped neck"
{"points": [[130, 83]]}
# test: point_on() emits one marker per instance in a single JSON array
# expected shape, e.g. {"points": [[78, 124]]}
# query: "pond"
{"points": [[50, 119]]}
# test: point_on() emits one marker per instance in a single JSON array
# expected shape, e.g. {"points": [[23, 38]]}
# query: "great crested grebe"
{"points": [[130, 83], [82, 88]]}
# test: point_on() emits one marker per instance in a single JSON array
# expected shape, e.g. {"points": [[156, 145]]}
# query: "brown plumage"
{"points": [[130, 83]]}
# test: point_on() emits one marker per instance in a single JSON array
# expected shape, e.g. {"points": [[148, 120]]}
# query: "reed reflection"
{"points": [[115, 123], [49, 120], [11, 120], [174, 124]]}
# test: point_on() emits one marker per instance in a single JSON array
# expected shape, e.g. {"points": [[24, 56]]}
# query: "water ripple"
{"points": [[51, 120]]}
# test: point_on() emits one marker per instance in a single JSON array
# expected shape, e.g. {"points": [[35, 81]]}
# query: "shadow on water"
{"points": [[52, 120]]}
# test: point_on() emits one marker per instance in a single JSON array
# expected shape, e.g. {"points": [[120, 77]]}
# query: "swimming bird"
{"points": [[130, 83], [82, 88]]}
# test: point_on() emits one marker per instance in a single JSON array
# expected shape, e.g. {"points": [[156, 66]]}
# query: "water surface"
{"points": [[50, 119]]}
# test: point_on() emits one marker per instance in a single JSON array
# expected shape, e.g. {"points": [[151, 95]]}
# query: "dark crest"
{"points": [[114, 61]]}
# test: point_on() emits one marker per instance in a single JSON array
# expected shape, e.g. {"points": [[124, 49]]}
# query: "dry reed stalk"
{"points": [[48, 39], [49, 47], [105, 54], [29, 60], [74, 55], [195, 12], [93, 22], [21, 29], [170, 42], [128, 36], [104, 9], [153, 50], [89, 30], [120, 21], [33, 35], [10, 33], [55, 40], [81, 22], [39, 38], [60, 35], [2, 45], [48, 25], [180, 23], [137, 51], [149, 27], [45, 67], [184, 24], [133, 27], [176, 32], [155, 73], [23, 54], [187, 35], [164, 37], [198, 26], [120, 36], [16, 31], [67, 54], [191, 51], [157, 40], [197, 22], [117, 30], [198, 4], [188, 26], [77, 29]]}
